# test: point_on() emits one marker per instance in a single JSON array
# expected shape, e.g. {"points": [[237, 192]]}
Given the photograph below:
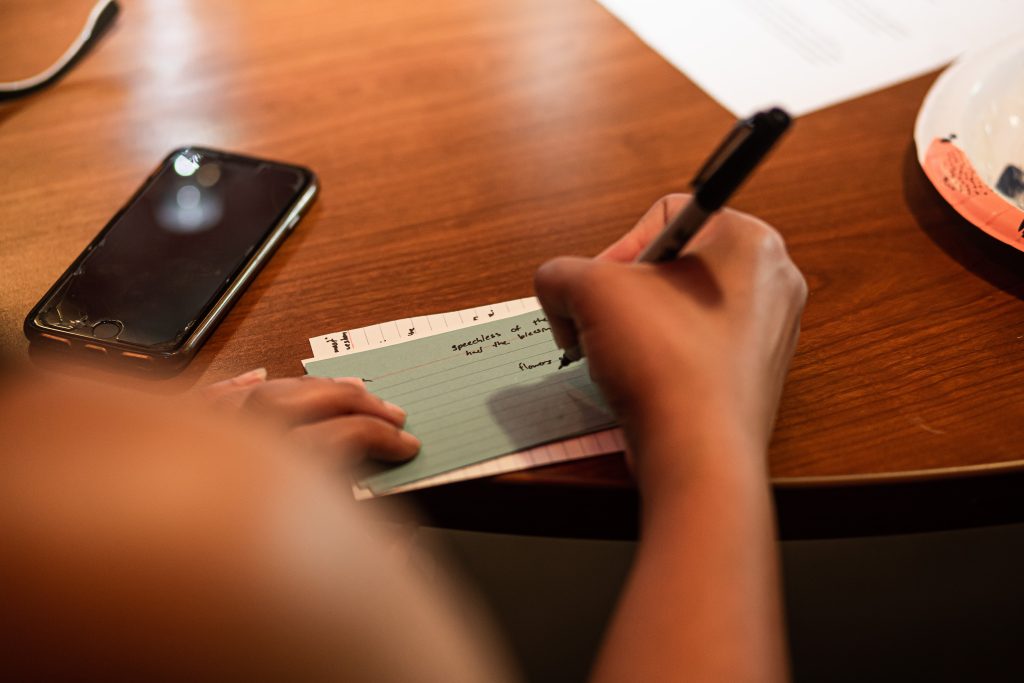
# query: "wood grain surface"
{"points": [[462, 143]]}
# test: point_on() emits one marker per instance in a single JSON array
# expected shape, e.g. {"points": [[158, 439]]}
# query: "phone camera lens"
{"points": [[108, 329]]}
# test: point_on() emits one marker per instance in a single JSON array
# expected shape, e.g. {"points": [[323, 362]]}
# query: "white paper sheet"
{"points": [[808, 54]]}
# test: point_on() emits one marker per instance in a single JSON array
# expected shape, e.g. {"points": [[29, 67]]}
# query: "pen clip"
{"points": [[739, 133]]}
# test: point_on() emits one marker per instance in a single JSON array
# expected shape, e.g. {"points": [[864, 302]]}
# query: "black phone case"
{"points": [[48, 338]]}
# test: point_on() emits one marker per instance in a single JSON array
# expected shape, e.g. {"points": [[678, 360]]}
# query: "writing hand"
{"points": [[698, 347]]}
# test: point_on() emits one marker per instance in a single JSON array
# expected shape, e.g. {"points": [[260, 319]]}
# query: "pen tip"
{"points": [[563, 362]]}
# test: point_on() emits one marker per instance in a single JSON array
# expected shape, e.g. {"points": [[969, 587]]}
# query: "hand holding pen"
{"points": [[729, 165], [689, 354]]}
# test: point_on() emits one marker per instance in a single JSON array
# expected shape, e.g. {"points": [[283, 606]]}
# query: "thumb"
{"points": [[557, 283]]}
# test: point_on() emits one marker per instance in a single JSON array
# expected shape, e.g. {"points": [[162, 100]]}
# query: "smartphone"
{"points": [[154, 283]]}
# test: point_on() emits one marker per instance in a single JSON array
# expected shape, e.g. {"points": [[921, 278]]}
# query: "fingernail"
{"points": [[252, 377], [350, 380], [410, 440], [395, 410]]}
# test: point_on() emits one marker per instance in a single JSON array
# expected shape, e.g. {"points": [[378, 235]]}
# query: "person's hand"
{"points": [[699, 346], [336, 416]]}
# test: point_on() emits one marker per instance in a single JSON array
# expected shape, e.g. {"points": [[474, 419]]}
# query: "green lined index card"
{"points": [[476, 393]]}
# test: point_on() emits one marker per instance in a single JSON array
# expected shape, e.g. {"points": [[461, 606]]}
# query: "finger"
{"points": [[232, 384], [629, 246], [356, 381], [555, 283], [233, 391], [306, 401], [354, 437], [733, 239]]}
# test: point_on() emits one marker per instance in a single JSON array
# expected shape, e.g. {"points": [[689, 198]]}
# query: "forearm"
{"points": [[702, 602]]}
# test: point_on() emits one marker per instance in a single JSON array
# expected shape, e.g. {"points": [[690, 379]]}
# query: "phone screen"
{"points": [[150, 277]]}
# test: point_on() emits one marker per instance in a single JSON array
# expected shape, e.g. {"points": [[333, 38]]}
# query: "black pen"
{"points": [[729, 165]]}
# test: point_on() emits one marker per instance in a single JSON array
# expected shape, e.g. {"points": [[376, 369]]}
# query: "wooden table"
{"points": [[462, 143]]}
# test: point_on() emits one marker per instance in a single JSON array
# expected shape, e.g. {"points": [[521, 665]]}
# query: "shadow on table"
{"points": [[985, 256], [9, 109]]}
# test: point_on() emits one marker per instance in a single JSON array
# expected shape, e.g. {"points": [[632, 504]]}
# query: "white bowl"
{"points": [[970, 138]]}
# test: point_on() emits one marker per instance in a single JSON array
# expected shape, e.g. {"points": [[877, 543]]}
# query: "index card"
{"points": [[345, 342], [476, 393]]}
